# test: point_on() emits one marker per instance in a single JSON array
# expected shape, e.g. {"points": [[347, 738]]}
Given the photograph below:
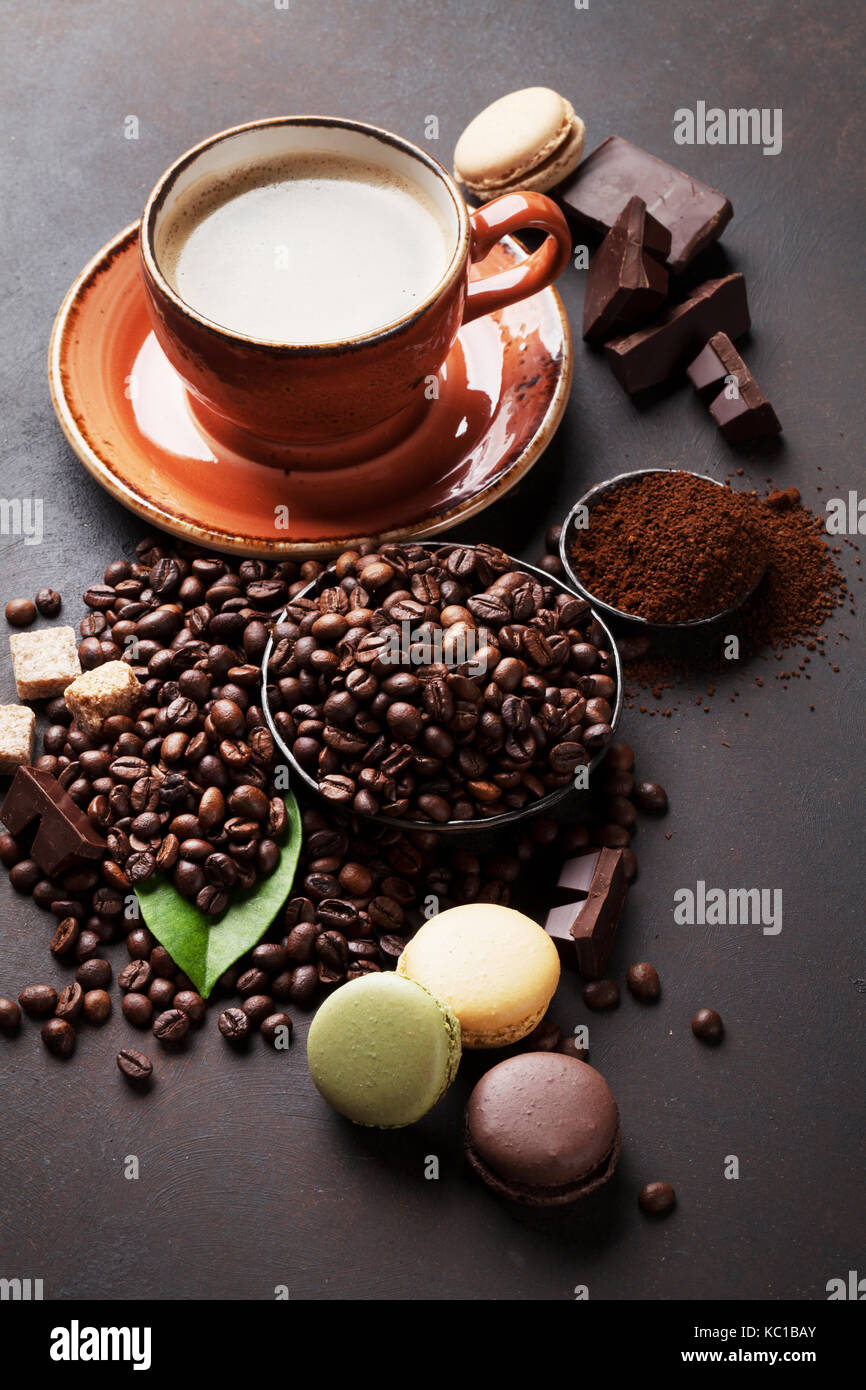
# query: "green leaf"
{"points": [[203, 951]]}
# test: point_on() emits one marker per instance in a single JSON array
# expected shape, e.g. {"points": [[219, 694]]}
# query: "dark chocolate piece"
{"points": [[598, 190], [742, 416], [65, 836], [558, 924], [594, 927], [576, 875], [651, 355], [625, 281]]}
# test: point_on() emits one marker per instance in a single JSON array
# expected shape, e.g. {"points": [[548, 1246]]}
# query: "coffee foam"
{"points": [[211, 194]]}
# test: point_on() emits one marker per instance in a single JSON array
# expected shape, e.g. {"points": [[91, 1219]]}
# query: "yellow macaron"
{"points": [[495, 968], [529, 139]]}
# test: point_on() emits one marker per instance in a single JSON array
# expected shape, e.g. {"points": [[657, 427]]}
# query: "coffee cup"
{"points": [[306, 277]]}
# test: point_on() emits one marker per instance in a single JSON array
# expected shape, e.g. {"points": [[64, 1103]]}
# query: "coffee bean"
{"points": [[305, 981], [135, 977], [134, 1067], [48, 601], [657, 1198], [10, 1017], [545, 1037], [139, 943], [94, 973], [569, 1048], [706, 1025], [20, 612], [643, 981], [234, 1026], [171, 1027], [601, 994], [270, 957], [251, 982], [64, 939], [276, 1029], [161, 992], [651, 797], [391, 949], [190, 1002], [97, 1006], [137, 1009], [38, 1001], [257, 1007], [162, 964], [69, 1002], [59, 1037]]}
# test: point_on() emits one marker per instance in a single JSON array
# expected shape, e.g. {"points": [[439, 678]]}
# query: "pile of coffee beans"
{"points": [[439, 684], [186, 787]]}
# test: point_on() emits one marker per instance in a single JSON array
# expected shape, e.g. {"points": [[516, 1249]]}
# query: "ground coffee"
{"points": [[671, 547]]}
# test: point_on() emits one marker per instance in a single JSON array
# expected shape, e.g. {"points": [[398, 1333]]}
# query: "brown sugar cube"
{"points": [[16, 737], [106, 690], [45, 662]]}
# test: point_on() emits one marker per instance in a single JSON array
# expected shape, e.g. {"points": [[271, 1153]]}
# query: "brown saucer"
{"points": [[502, 392]]}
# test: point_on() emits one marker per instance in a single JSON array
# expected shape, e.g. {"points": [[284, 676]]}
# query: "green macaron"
{"points": [[383, 1049]]}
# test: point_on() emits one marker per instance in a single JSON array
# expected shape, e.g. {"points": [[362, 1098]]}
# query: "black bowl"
{"points": [[452, 827]]}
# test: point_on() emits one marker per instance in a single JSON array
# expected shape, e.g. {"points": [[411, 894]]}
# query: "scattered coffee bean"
{"points": [[48, 601], [569, 1048], [706, 1025], [277, 1030], [234, 1025], [69, 1002], [38, 1001], [10, 1017], [190, 1002], [20, 612], [137, 1010], [97, 1006], [651, 797], [64, 939], [601, 994], [545, 1037], [643, 981], [135, 1067], [135, 977], [94, 973], [171, 1027], [59, 1037], [657, 1198]]}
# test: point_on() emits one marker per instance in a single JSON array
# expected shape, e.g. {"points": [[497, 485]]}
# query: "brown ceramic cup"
{"points": [[329, 403]]}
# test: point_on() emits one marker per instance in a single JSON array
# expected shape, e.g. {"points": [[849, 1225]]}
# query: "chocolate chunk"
{"points": [[625, 280], [594, 927], [649, 356], [576, 875], [598, 190], [739, 408], [558, 924], [65, 837]]}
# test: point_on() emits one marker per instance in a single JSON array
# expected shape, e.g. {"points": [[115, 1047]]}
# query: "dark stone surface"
{"points": [[246, 1180]]}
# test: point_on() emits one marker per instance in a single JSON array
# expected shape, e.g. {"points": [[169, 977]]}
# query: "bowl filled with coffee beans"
{"points": [[440, 685], [664, 548]]}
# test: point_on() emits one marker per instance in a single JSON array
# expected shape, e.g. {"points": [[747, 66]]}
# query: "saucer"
{"points": [[125, 412]]}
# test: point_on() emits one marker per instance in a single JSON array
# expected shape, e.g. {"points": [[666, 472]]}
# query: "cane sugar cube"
{"points": [[45, 662], [17, 723], [106, 690]]}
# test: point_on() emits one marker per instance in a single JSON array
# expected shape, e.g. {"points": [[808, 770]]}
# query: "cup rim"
{"points": [[162, 187]]}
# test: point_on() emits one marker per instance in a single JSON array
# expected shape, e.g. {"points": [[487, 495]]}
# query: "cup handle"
{"points": [[494, 220]]}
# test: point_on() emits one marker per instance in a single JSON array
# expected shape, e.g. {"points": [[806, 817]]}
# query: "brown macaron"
{"points": [[543, 1129]]}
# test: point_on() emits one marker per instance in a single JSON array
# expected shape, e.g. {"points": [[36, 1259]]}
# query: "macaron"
{"points": [[494, 967], [543, 1129], [382, 1050], [530, 139]]}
